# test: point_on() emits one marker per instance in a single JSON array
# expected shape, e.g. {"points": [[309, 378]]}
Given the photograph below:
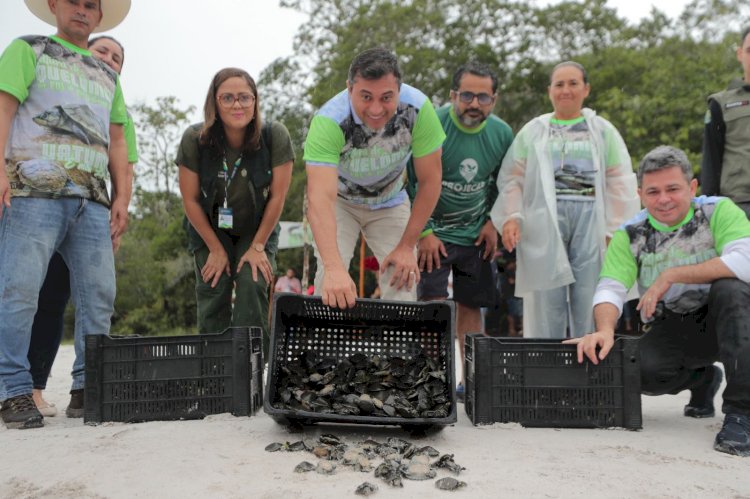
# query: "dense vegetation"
{"points": [[650, 79]]}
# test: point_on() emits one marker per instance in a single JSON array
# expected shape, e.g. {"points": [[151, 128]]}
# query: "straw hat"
{"points": [[113, 12]]}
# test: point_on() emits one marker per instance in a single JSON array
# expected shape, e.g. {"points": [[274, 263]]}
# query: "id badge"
{"points": [[225, 218]]}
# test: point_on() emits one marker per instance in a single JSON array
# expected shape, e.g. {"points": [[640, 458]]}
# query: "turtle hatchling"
{"points": [[417, 471], [326, 468], [304, 467], [366, 489], [449, 483]]}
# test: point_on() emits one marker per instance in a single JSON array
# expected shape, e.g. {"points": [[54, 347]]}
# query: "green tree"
{"points": [[159, 130]]}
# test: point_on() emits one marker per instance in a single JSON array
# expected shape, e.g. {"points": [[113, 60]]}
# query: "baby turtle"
{"points": [[325, 468], [417, 471], [446, 461], [366, 489], [274, 447], [430, 451], [329, 439], [449, 483], [390, 474], [304, 467], [296, 446]]}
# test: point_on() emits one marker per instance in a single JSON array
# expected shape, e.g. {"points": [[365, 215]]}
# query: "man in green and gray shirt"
{"points": [[691, 260], [61, 127], [459, 236]]}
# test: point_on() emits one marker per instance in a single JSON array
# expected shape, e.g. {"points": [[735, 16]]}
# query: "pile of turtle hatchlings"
{"points": [[362, 385], [399, 459]]}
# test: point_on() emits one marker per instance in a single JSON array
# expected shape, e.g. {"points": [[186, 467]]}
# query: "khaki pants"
{"points": [[382, 230]]}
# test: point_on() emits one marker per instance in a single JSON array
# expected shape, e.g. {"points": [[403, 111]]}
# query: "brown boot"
{"points": [[75, 407]]}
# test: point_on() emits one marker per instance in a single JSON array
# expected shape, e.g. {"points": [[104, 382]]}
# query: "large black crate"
{"points": [[371, 327], [133, 379], [540, 383]]}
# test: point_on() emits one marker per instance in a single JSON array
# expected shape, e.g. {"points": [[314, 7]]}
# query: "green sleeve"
{"points": [[187, 152], [17, 69], [119, 113], [281, 145], [324, 142], [619, 262], [615, 147], [428, 134], [131, 141], [728, 223]]}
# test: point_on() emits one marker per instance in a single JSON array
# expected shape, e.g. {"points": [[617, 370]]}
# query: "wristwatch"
{"points": [[260, 248]]}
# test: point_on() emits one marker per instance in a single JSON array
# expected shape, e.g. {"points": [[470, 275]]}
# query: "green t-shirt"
{"points": [[131, 141], [471, 159], [643, 248], [59, 141], [371, 163]]}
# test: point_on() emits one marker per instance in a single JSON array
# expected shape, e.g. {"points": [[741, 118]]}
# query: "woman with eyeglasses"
{"points": [[565, 185], [234, 175]]}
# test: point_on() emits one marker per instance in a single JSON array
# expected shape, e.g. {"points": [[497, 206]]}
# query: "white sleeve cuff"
{"points": [[736, 256], [610, 291]]}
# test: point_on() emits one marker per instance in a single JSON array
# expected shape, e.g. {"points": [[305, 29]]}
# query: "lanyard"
{"points": [[229, 177]]}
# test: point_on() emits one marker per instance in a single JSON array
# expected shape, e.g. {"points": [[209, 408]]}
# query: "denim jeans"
{"points": [[31, 230], [677, 348], [47, 330]]}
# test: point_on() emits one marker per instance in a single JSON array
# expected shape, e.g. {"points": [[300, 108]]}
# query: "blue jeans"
{"points": [[31, 230]]}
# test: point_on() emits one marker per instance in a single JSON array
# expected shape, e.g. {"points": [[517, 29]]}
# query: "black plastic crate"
{"points": [[539, 382], [371, 327], [132, 379]]}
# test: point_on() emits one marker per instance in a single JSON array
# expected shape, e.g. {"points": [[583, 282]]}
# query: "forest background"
{"points": [[650, 79]]}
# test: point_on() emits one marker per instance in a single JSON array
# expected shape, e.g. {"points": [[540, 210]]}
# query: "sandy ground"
{"points": [[223, 456]]}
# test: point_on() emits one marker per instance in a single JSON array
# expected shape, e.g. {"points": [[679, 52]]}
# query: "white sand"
{"points": [[223, 456]]}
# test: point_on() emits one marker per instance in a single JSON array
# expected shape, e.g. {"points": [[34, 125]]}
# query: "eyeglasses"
{"points": [[228, 100], [483, 98]]}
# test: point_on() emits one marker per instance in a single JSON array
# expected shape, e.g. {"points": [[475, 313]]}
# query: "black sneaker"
{"points": [[20, 412], [701, 403], [734, 437], [75, 407]]}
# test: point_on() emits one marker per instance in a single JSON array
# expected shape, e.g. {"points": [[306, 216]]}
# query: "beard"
{"points": [[471, 117]]}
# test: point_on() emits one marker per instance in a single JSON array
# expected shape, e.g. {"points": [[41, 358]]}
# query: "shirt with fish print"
{"points": [[372, 163], [59, 141], [643, 248]]}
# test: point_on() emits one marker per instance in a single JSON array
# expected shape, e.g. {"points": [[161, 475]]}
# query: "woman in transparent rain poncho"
{"points": [[565, 185]]}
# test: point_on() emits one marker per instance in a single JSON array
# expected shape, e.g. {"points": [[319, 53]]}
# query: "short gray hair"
{"points": [[664, 157]]}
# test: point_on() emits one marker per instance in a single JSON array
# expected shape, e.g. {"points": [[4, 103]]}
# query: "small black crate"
{"points": [[371, 327], [132, 379], [539, 382]]}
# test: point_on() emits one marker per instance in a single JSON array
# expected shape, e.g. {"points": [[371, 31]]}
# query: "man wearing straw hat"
{"points": [[61, 117]]}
